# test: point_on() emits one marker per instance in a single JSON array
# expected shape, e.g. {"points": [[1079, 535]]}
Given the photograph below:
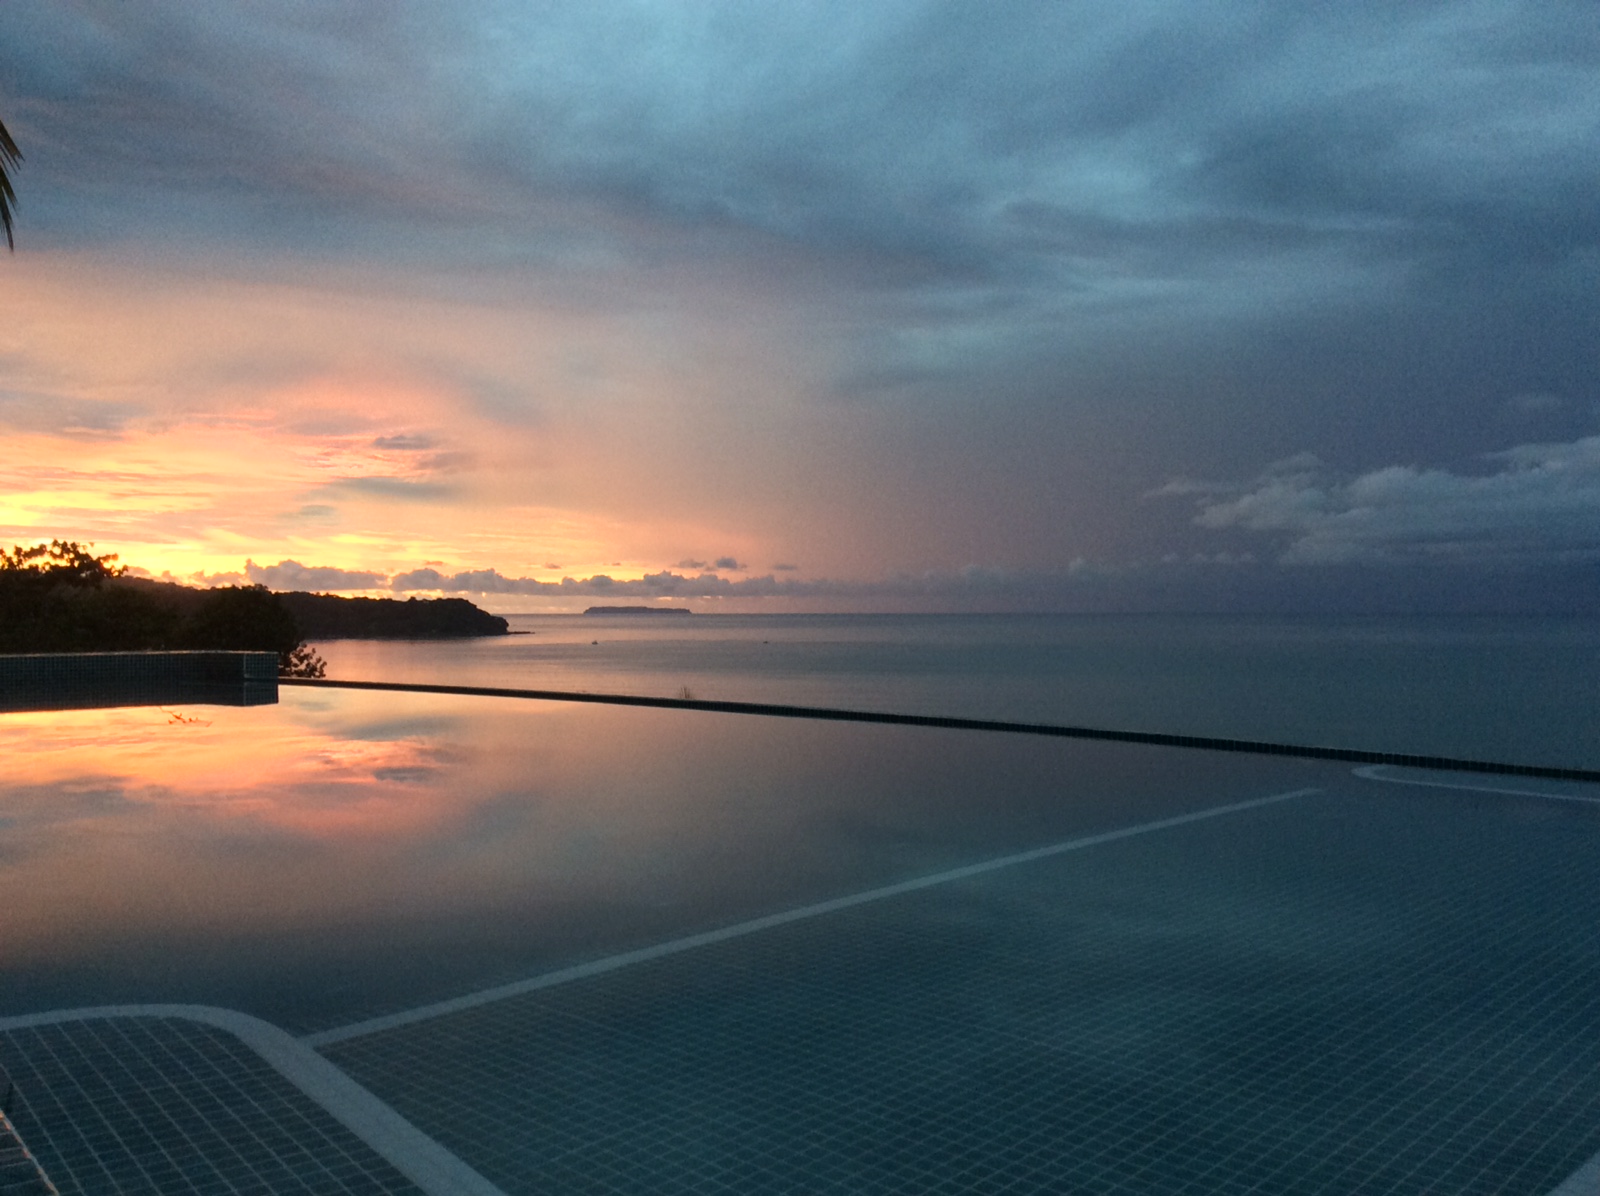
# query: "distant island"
{"points": [[638, 610]]}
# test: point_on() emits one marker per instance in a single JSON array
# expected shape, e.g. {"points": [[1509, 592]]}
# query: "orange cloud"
{"points": [[188, 420]]}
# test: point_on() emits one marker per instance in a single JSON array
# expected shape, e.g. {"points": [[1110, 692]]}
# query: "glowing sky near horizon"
{"points": [[1013, 306]]}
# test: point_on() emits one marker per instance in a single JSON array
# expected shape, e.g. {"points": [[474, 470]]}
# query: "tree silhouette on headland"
{"points": [[55, 598], [251, 619]]}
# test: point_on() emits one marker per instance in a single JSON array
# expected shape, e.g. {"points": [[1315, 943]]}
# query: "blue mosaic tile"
{"points": [[164, 1107]]}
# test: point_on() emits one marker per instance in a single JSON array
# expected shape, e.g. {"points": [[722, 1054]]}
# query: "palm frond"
{"points": [[10, 156]]}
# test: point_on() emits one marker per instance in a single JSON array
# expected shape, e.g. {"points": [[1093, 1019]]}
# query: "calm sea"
{"points": [[1523, 690]]}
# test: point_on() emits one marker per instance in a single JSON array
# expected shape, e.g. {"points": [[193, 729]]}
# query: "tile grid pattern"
{"points": [[20, 1174], [1105, 1025], [136, 1106]]}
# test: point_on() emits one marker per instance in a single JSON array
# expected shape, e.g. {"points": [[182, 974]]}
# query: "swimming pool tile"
{"points": [[1351, 996], [135, 1106]]}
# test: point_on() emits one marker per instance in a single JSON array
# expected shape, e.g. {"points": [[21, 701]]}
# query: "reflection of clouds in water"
{"points": [[303, 814], [261, 767], [41, 805], [35, 817], [525, 830], [359, 762], [261, 816]]}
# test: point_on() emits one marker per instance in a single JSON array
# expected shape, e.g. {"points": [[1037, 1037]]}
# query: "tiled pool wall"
{"points": [[79, 680]]}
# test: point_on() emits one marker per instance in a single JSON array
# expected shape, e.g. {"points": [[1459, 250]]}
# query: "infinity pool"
{"points": [[364, 942]]}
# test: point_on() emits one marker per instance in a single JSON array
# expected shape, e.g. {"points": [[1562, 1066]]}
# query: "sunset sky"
{"points": [[1055, 305]]}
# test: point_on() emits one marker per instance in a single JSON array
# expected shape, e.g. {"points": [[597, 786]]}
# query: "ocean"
{"points": [[1520, 690]]}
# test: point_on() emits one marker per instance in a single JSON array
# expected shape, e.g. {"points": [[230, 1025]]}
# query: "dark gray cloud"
{"points": [[27, 410], [1536, 502], [1217, 581], [1070, 250], [1017, 144], [405, 489], [1007, 587], [292, 575]]}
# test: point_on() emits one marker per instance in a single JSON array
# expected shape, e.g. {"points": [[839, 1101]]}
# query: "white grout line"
{"points": [[415, 1155], [1371, 772], [612, 963], [1585, 1181]]}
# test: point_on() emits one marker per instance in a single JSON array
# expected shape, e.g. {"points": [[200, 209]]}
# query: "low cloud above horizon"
{"points": [[1534, 503], [660, 292]]}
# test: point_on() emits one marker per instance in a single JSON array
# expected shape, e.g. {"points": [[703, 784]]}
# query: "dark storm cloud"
{"points": [[1010, 143], [1534, 502], [167, 119], [1071, 250]]}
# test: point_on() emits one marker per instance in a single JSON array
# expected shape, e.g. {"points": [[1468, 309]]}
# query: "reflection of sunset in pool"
{"points": [[384, 833], [228, 764], [487, 911], [144, 821]]}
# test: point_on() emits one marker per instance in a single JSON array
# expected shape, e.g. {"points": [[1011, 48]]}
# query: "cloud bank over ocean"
{"points": [[1535, 502]]}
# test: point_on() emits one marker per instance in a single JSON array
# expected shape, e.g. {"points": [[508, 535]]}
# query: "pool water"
{"points": [[422, 943]]}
